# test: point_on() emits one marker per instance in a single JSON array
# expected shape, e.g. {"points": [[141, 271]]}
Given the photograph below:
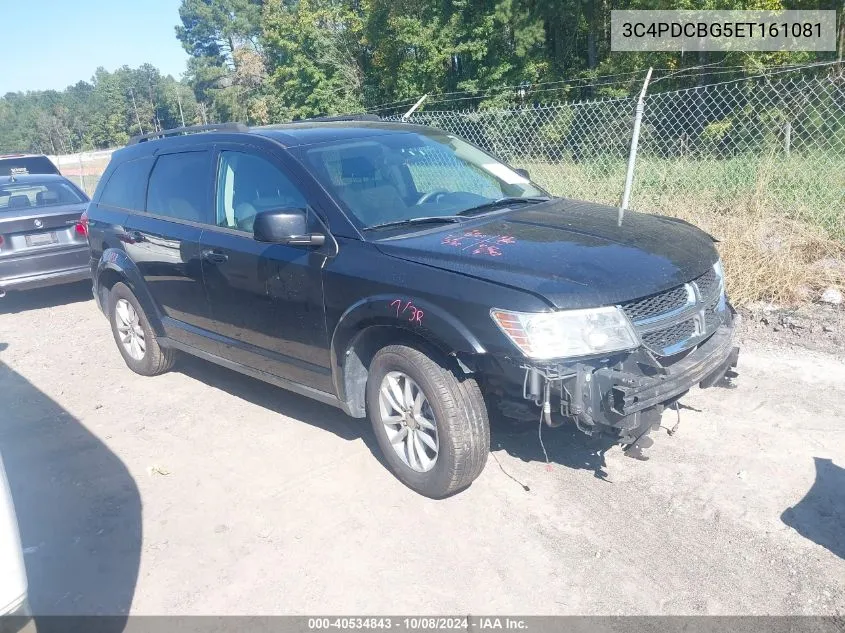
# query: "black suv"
{"points": [[398, 272]]}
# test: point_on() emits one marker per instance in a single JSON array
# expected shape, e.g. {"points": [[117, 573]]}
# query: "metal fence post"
{"points": [[700, 152], [82, 174], [787, 137], [635, 140], [408, 114]]}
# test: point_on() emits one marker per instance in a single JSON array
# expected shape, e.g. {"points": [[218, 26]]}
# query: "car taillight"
{"points": [[1, 240], [81, 227]]}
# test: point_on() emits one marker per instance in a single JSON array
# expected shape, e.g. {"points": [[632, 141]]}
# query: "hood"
{"points": [[574, 254]]}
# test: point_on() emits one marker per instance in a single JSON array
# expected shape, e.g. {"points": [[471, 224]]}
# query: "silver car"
{"points": [[43, 235]]}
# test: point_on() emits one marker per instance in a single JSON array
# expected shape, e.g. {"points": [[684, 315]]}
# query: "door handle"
{"points": [[215, 256]]}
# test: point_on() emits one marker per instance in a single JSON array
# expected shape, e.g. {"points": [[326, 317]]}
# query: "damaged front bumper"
{"points": [[627, 395]]}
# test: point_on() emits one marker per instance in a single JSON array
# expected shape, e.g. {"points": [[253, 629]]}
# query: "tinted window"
{"points": [[37, 194], [248, 184], [27, 165], [127, 185], [179, 186]]}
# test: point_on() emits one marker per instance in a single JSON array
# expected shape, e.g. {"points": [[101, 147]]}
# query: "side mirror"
{"points": [[285, 226], [523, 173]]}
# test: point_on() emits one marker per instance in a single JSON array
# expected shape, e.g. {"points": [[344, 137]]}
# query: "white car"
{"points": [[13, 586]]}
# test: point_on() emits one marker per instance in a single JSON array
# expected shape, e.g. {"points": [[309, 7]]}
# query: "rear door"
{"points": [[266, 299], [38, 232], [164, 243]]}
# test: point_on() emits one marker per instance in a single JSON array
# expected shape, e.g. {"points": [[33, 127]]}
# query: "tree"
{"points": [[315, 51], [99, 114], [217, 28], [261, 61], [226, 68]]}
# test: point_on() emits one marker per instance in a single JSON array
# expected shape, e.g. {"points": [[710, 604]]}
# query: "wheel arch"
{"points": [[372, 324], [116, 266]]}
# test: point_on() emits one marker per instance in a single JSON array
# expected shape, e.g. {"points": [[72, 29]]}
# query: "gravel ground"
{"points": [[203, 491]]}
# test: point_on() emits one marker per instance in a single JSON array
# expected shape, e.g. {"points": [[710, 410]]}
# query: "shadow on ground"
{"points": [[565, 446], [820, 515], [78, 509], [279, 400], [51, 296]]}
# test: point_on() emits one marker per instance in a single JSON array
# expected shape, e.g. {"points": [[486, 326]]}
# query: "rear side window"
{"points": [[127, 186], [179, 186]]}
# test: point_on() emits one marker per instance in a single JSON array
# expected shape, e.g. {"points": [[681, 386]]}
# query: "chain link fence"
{"points": [[772, 144], [84, 168]]}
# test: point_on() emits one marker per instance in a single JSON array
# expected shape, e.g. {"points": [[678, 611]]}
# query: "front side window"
{"points": [[247, 185], [35, 194], [179, 185], [395, 177]]}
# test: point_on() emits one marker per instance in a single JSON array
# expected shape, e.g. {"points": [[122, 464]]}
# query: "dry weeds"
{"points": [[768, 257]]}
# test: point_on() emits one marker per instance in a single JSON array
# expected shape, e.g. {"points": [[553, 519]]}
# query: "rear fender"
{"points": [[116, 262], [405, 315]]}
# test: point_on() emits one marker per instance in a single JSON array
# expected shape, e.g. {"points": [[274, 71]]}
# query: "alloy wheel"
{"points": [[409, 421], [129, 329]]}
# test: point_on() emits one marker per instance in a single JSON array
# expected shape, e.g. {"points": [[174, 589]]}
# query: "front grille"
{"points": [[656, 305], [712, 316], [670, 338], [660, 340], [707, 284]]}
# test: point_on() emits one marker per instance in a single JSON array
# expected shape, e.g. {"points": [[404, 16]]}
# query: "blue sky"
{"points": [[50, 44]]}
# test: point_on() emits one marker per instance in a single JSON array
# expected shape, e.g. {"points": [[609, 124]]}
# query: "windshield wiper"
{"points": [[501, 202], [430, 219]]}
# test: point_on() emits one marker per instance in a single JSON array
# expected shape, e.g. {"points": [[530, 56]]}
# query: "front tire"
{"points": [[135, 339], [430, 424]]}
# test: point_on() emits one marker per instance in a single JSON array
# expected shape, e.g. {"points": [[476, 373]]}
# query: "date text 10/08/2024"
{"points": [[424, 623]]}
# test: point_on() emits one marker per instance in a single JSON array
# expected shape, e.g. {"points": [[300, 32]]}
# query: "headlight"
{"points": [[720, 275], [567, 333]]}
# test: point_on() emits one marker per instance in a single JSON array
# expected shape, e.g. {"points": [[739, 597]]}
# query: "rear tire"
{"points": [[460, 440], [136, 341]]}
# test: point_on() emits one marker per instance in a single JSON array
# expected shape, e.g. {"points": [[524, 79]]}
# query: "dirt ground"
{"points": [[203, 491]]}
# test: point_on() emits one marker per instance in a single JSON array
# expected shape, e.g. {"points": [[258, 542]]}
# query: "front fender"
{"points": [[113, 262], [404, 312]]}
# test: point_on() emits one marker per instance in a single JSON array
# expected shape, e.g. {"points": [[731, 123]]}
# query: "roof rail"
{"points": [[343, 117], [191, 129]]}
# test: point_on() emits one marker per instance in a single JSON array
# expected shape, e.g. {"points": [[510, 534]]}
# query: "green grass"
{"points": [[808, 189]]}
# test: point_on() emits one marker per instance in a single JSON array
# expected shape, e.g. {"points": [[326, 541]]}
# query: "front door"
{"points": [[266, 299], [164, 242]]}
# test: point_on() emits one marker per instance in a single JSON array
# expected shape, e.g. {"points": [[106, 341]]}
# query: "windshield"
{"points": [[398, 177], [33, 195]]}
